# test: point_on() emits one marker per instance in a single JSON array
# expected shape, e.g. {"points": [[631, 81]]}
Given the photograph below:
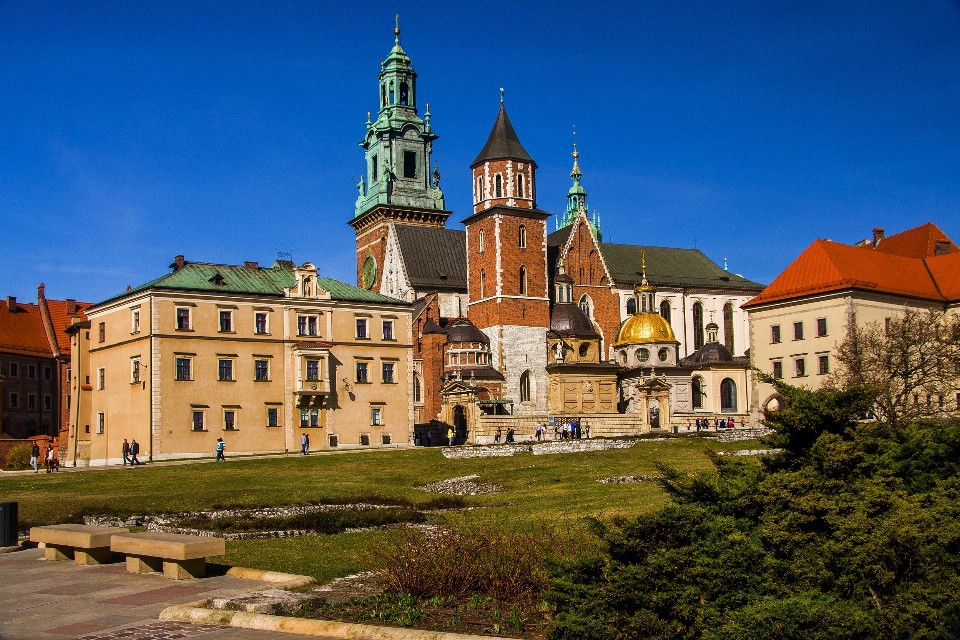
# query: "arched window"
{"points": [[586, 306], [525, 386], [522, 237], [697, 325], [631, 306], [417, 393], [728, 326], [403, 93], [479, 188], [498, 185], [383, 95], [483, 277], [480, 246], [728, 395], [698, 392], [665, 311], [391, 93], [523, 281], [520, 185]]}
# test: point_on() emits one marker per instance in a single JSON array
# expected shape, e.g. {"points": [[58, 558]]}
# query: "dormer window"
{"points": [[218, 280]]}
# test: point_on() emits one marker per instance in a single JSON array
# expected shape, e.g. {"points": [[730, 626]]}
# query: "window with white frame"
{"points": [[225, 369], [260, 322], [196, 423], [388, 330], [135, 320], [261, 370], [101, 420], [307, 325], [101, 378], [229, 419], [376, 416], [388, 368], [361, 327], [226, 321], [183, 319], [184, 367], [312, 369], [135, 370]]}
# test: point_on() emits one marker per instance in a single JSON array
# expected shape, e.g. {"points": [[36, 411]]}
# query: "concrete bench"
{"points": [[178, 556], [78, 542]]}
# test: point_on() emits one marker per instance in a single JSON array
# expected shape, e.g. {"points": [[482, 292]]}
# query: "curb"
{"points": [[304, 626], [282, 580]]}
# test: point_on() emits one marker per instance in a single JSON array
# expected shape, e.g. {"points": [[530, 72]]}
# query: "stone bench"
{"points": [[78, 542], [178, 556]]}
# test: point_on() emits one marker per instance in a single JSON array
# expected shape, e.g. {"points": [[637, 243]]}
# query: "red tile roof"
{"points": [[61, 320], [919, 242], [830, 266], [21, 331]]}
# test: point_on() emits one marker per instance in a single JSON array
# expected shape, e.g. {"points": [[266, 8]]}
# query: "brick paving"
{"points": [[42, 599]]}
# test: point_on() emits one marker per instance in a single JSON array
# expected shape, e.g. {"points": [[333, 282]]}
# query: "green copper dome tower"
{"points": [[577, 199]]}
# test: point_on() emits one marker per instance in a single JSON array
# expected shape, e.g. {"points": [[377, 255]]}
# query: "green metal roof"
{"points": [[670, 267], [265, 281]]}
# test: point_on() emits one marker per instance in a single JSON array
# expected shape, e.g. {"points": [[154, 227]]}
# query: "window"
{"points": [[307, 325], [261, 371], [522, 237], [584, 349], [47, 373], [32, 371], [585, 306], [523, 281], [364, 439], [801, 365], [386, 438], [135, 321], [728, 326], [388, 329], [14, 370], [778, 370], [361, 372], [728, 395], [361, 328], [821, 327], [183, 319], [183, 368], [225, 369], [135, 370], [409, 164], [824, 362], [229, 420], [47, 402], [665, 311], [525, 385], [697, 325], [480, 246], [775, 334], [698, 392], [480, 195], [404, 94], [226, 321], [631, 306], [498, 186], [67, 400], [798, 331], [374, 169], [313, 370], [388, 373], [376, 416], [483, 277], [31, 401], [273, 418], [520, 185], [334, 440], [663, 354], [304, 418], [102, 332], [100, 422], [314, 417], [101, 378], [643, 355], [417, 389], [260, 322], [14, 400], [197, 421]]}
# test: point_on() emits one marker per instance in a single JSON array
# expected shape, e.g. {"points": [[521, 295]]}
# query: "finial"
{"points": [[368, 116], [396, 29], [575, 154], [501, 95], [725, 264], [643, 263]]}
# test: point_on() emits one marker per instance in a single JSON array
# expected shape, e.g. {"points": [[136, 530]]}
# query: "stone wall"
{"points": [[537, 449], [601, 426]]}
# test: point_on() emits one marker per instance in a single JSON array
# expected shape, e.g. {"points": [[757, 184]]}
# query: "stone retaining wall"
{"points": [[538, 449], [609, 425]]}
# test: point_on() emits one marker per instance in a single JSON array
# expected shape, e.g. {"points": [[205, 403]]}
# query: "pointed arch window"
{"points": [[728, 326], [404, 94], [631, 306], [586, 306], [522, 237], [383, 95], [480, 246], [520, 185], [479, 188], [523, 281], [728, 395], [483, 278], [391, 94], [697, 325], [498, 185], [525, 386], [665, 311], [417, 390]]}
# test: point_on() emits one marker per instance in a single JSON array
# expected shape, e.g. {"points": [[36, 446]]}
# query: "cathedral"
{"points": [[517, 325]]}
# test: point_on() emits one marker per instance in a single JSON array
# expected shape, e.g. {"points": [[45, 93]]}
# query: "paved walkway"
{"points": [[41, 599]]}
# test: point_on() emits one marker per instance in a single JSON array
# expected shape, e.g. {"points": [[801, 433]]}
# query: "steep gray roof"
{"points": [[670, 267], [434, 258], [503, 143]]}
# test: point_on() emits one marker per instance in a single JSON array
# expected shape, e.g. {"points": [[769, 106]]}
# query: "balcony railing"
{"points": [[313, 387]]}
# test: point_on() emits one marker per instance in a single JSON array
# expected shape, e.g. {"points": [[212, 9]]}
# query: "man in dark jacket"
{"points": [[134, 450]]}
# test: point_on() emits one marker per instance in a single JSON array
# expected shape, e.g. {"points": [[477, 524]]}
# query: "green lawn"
{"points": [[545, 487]]}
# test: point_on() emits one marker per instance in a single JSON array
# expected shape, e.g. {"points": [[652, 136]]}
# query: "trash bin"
{"points": [[8, 524]]}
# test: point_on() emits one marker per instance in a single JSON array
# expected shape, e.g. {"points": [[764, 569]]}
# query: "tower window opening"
{"points": [[480, 240], [498, 185], [522, 237], [483, 278], [409, 164], [383, 95], [665, 311], [404, 94], [643, 303], [479, 188], [391, 93], [631, 306], [374, 169], [697, 325], [523, 281], [520, 186]]}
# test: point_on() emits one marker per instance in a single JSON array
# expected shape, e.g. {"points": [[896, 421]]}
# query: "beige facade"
{"points": [[176, 369]]}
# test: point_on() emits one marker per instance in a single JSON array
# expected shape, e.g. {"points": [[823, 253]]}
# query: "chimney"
{"points": [[251, 265], [71, 306], [41, 289], [942, 248], [178, 262], [12, 304], [877, 235]]}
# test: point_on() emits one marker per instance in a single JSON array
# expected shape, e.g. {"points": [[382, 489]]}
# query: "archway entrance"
{"points": [[654, 414], [459, 424]]}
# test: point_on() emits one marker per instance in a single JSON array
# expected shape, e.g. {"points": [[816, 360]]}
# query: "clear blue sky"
{"points": [[134, 131]]}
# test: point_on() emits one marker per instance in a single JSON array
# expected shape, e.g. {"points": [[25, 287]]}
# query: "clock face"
{"points": [[369, 272]]}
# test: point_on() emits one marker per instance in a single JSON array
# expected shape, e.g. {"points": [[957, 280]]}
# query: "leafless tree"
{"points": [[912, 360]]}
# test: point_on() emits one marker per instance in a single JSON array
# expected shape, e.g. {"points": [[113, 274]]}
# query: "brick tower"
{"points": [[507, 265], [398, 186]]}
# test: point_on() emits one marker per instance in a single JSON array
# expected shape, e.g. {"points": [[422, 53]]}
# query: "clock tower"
{"points": [[398, 185]]}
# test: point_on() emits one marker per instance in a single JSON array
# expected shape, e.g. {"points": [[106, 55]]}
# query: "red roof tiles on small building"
{"points": [[919, 242]]}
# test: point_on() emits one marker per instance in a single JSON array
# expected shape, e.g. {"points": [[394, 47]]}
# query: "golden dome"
{"points": [[643, 328]]}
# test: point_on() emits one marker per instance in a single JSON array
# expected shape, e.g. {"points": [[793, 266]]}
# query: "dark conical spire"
{"points": [[503, 142]]}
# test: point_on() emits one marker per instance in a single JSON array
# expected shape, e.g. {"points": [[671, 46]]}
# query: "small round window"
{"points": [[663, 354], [643, 355], [584, 349]]}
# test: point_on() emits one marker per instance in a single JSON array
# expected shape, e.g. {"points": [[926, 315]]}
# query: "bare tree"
{"points": [[912, 360]]}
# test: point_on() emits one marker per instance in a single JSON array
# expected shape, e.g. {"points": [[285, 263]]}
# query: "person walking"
{"points": [[49, 459], [450, 437], [221, 445], [586, 429], [35, 456], [125, 449], [497, 435], [134, 450], [304, 444], [429, 436]]}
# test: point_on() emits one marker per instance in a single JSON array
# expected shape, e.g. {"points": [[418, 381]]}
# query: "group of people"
{"points": [[573, 430], [703, 424], [304, 444], [511, 435], [130, 452], [51, 461]]}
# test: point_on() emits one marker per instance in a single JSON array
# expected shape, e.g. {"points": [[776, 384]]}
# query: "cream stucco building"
{"points": [[256, 356]]}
